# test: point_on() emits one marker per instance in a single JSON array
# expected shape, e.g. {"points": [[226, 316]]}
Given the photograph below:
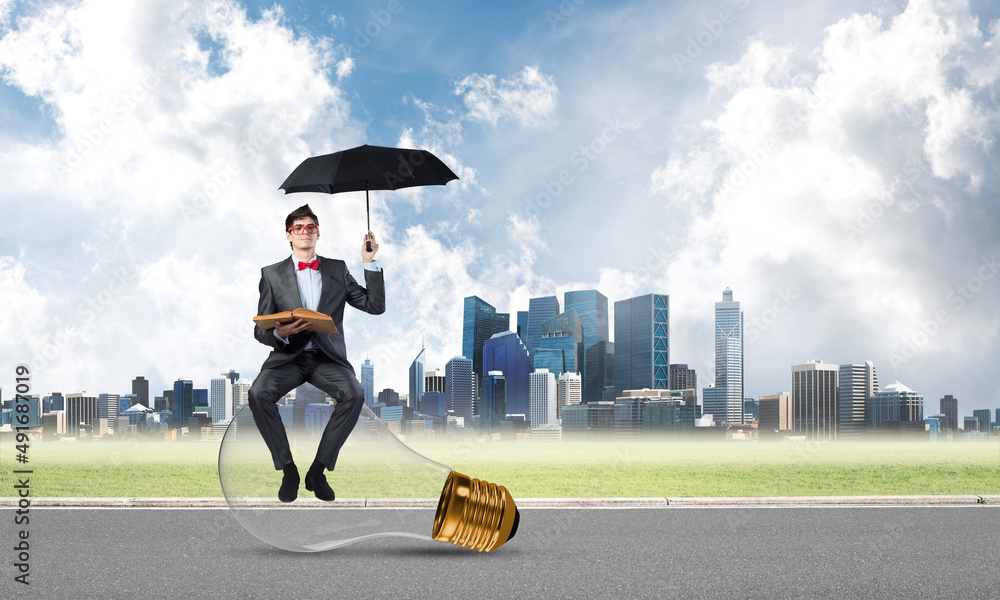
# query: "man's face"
{"points": [[303, 240]]}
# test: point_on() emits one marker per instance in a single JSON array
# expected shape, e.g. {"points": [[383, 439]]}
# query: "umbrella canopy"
{"points": [[368, 168]]}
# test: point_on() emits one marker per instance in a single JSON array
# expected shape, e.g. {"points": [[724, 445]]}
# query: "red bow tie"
{"points": [[309, 265]]}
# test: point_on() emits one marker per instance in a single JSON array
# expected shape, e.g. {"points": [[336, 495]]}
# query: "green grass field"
{"points": [[670, 469]]}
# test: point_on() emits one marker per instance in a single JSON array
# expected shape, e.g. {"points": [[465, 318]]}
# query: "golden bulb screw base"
{"points": [[475, 514]]}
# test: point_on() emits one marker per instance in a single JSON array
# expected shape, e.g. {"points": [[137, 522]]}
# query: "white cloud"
{"points": [[823, 172], [175, 124], [6, 6], [22, 307], [439, 134], [854, 170], [530, 97]]}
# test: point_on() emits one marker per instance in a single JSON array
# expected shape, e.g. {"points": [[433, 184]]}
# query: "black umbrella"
{"points": [[367, 168]]}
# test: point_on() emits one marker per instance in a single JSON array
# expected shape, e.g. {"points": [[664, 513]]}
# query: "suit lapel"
{"points": [[288, 280], [326, 276]]}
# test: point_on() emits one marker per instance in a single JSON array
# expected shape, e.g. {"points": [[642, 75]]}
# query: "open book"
{"points": [[321, 322]]}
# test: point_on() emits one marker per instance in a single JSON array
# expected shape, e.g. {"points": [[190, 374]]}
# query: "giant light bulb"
{"points": [[373, 465]]}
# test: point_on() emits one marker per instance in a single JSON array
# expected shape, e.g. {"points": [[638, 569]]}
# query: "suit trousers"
{"points": [[333, 378]]}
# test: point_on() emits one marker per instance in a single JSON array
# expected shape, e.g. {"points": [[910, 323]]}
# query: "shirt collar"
{"points": [[295, 260]]}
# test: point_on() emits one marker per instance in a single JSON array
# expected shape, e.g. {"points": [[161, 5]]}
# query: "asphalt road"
{"points": [[676, 552]]}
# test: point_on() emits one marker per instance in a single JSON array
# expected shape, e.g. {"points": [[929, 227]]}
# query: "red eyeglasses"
{"points": [[300, 229]]}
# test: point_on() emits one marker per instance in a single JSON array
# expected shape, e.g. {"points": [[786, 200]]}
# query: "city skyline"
{"points": [[830, 409], [822, 160]]}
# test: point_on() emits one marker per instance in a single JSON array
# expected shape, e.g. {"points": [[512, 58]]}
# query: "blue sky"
{"points": [[834, 163]]}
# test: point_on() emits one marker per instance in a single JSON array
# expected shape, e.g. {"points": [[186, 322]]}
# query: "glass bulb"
{"points": [[374, 468]]}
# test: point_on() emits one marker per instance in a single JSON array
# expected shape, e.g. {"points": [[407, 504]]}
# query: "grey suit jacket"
{"points": [[279, 292]]}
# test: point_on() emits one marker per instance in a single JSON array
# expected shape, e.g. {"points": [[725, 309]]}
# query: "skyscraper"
{"points": [[814, 400], [140, 387], [480, 321], [599, 364], [458, 390], [493, 401], [569, 391], [434, 380], [199, 398], [642, 343], [107, 408], [368, 381], [182, 403], [683, 379], [52, 402], [539, 310], [857, 383], [542, 398], [388, 396], [592, 308], [564, 335], [126, 401], [432, 403], [417, 378], [894, 402], [220, 397], [505, 353], [522, 326], [81, 410], [949, 408], [241, 393], [983, 416], [727, 399], [775, 412], [316, 416]]}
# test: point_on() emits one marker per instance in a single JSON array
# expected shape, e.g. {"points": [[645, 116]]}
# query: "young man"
{"points": [[299, 355]]}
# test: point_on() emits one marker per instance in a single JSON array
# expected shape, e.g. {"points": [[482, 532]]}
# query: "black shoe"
{"points": [[289, 489], [316, 482]]}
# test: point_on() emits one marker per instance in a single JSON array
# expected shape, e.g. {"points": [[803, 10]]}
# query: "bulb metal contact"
{"points": [[475, 514]]}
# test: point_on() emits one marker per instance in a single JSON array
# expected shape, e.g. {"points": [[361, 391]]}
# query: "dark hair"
{"points": [[302, 212]]}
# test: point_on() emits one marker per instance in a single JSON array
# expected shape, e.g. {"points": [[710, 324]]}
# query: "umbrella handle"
{"points": [[368, 244]]}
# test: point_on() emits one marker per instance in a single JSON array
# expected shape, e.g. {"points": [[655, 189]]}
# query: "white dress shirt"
{"points": [[310, 286]]}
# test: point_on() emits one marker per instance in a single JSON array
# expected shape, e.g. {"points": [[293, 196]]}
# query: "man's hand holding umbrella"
{"points": [[368, 247]]}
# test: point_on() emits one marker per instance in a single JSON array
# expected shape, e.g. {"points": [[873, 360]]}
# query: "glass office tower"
{"points": [[563, 333], [539, 310], [727, 399], [642, 343], [592, 308], [417, 379], [480, 321], [505, 353]]}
